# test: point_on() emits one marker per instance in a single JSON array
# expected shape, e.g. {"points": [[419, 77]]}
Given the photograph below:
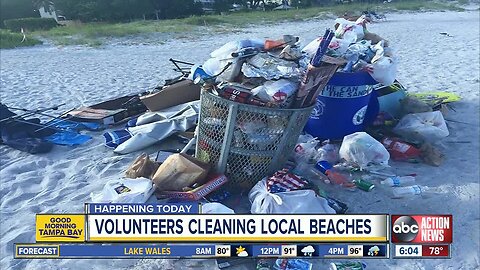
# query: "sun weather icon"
{"points": [[308, 251], [373, 251], [241, 252]]}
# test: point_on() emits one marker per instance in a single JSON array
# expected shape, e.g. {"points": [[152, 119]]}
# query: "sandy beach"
{"points": [[62, 180]]}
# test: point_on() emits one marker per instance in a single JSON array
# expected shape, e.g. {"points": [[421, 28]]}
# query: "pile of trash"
{"points": [[283, 74]]}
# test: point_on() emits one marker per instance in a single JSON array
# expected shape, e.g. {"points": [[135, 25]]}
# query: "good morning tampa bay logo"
{"points": [[66, 228]]}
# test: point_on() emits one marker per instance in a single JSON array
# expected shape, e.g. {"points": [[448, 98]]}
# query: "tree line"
{"points": [[128, 10]]}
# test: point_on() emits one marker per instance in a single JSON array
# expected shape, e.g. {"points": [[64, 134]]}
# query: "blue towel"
{"points": [[68, 138], [72, 125], [116, 137]]}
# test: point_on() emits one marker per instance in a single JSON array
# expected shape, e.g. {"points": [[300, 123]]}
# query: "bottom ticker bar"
{"points": [[32, 251]]}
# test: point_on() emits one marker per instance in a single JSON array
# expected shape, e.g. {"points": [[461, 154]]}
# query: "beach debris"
{"points": [[125, 191], [179, 171], [142, 166], [400, 150], [348, 265], [361, 149], [422, 127], [397, 181], [432, 155], [295, 264], [267, 200]]}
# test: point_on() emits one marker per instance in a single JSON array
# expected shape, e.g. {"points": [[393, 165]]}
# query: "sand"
{"points": [[61, 181]]}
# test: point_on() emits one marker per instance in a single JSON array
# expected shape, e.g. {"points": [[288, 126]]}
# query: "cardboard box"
{"points": [[109, 112], [178, 93], [215, 181]]}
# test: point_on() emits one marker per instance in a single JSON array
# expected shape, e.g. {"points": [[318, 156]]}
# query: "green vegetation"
{"points": [[9, 40], [30, 24], [95, 33]]}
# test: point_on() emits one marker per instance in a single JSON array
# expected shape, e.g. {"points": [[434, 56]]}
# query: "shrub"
{"points": [[30, 24], [10, 40]]}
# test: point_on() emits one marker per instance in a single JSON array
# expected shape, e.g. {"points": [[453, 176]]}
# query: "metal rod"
{"points": [[29, 113]]}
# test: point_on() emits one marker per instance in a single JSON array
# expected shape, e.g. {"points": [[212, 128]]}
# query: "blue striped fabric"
{"points": [[116, 137]]}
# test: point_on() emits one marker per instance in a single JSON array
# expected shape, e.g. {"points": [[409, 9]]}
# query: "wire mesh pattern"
{"points": [[246, 142]]}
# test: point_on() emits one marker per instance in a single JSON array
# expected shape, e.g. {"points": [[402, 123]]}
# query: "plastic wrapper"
{"points": [[270, 67], [291, 202], [275, 91], [361, 149], [125, 191], [423, 127]]}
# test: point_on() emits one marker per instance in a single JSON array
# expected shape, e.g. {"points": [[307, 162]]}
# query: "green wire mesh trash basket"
{"points": [[246, 142]]}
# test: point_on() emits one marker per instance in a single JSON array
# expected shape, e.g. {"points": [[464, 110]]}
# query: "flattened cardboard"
{"points": [[178, 93]]}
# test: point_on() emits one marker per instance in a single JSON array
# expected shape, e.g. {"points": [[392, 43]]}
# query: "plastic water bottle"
{"points": [[309, 172], [398, 181], [333, 175], [410, 191]]}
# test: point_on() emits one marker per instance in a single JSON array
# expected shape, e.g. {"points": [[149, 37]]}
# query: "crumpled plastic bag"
{"points": [[384, 64], [424, 127], [348, 30], [304, 150], [362, 149], [291, 202], [124, 191]]}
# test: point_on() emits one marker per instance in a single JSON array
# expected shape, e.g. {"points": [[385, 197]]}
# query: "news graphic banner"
{"points": [[236, 228], [182, 230]]}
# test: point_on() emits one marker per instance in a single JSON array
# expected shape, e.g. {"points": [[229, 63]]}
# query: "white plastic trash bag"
{"points": [[384, 64], [291, 202], [216, 208], [125, 190], [348, 30], [362, 149], [427, 126], [384, 70]]}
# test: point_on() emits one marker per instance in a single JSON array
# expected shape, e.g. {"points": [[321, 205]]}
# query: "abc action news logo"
{"points": [[422, 229]]}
